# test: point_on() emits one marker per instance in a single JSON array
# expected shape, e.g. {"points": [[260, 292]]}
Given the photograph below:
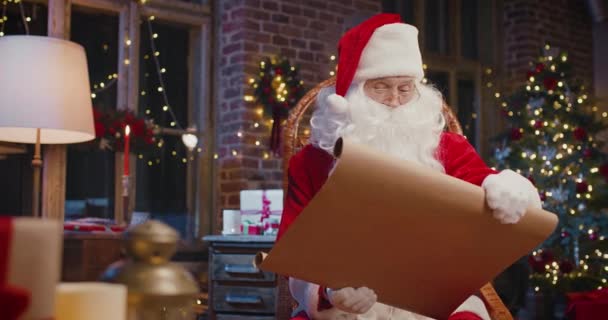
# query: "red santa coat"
{"points": [[309, 169]]}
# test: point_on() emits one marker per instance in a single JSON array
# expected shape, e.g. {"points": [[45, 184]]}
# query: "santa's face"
{"points": [[391, 91], [406, 124]]}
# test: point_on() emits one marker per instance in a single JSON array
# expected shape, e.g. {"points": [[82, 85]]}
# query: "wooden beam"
{"points": [[174, 5], [191, 18], [55, 156], [206, 201], [12, 148], [126, 99], [104, 5]]}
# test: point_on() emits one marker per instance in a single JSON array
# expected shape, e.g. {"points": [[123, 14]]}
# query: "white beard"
{"points": [[409, 132]]}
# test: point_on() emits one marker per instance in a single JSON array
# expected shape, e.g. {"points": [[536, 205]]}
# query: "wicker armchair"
{"points": [[294, 140]]}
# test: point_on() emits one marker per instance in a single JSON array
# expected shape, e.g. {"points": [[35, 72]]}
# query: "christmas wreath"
{"points": [[278, 88], [110, 129]]}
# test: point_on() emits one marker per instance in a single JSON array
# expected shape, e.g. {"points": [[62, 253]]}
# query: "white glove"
{"points": [[351, 300], [509, 194]]}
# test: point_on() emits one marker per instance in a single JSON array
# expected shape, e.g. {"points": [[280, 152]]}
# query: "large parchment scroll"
{"points": [[424, 241]]}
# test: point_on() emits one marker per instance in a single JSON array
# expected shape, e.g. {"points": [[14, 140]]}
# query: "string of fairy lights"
{"points": [[189, 139], [24, 17]]}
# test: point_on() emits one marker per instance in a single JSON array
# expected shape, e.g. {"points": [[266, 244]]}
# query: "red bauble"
{"points": [[539, 67], [543, 196], [588, 153], [531, 178], [565, 234], [547, 256], [582, 187], [580, 134], [593, 236], [550, 83], [278, 71], [566, 266], [538, 124], [536, 263], [529, 74], [604, 170], [516, 134], [504, 113], [266, 90]]}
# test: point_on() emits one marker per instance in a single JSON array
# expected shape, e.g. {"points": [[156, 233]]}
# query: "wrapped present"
{"points": [[93, 225], [588, 305], [259, 205], [251, 229], [27, 281], [271, 226]]}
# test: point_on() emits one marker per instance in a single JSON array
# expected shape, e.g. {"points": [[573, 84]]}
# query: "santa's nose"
{"points": [[392, 100]]}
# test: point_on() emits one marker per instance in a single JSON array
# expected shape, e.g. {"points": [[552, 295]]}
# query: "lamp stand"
{"points": [[37, 166]]}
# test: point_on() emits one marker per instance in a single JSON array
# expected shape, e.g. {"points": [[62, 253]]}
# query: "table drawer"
{"points": [[243, 299], [238, 267]]}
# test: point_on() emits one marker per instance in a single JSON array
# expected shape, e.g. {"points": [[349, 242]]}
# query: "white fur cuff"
{"points": [[509, 194]]}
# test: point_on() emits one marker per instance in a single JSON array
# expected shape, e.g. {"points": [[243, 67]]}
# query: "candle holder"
{"points": [[156, 288], [125, 201]]}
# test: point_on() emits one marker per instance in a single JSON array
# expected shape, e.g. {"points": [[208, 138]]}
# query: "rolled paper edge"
{"points": [[259, 258], [338, 148]]}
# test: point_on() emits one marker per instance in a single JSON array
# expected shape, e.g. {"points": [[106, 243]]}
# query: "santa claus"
{"points": [[379, 100]]}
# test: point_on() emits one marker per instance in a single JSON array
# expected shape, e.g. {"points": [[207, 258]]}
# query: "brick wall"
{"points": [[306, 32], [529, 24]]}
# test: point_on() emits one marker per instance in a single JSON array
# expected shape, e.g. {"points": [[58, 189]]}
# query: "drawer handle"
{"points": [[243, 299], [241, 268]]}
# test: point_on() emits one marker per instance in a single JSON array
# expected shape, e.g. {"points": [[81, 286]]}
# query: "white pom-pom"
{"points": [[337, 103]]}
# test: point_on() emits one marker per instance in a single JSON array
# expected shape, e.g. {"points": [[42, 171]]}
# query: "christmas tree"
{"points": [[553, 138]]}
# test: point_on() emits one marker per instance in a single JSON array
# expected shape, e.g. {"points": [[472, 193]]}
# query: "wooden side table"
{"points": [[87, 255], [237, 289]]}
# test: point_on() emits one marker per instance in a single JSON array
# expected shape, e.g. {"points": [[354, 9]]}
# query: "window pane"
{"points": [[16, 159], [161, 178], [441, 81], [469, 23], [436, 26], [466, 109], [37, 13], [404, 7], [90, 170]]}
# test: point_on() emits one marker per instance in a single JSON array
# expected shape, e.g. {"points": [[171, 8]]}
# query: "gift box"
{"points": [[93, 225], [251, 229], [30, 259], [588, 305], [257, 206]]}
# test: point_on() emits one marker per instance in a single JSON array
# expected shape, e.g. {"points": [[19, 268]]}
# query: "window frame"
{"points": [[200, 202], [455, 64]]}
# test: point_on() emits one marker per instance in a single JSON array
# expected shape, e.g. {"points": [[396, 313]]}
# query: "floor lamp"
{"points": [[44, 96]]}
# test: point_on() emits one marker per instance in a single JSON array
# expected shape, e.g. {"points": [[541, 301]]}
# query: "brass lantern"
{"points": [[157, 288]]}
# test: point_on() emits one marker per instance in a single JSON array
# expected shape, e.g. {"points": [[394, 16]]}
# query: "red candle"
{"points": [[126, 153]]}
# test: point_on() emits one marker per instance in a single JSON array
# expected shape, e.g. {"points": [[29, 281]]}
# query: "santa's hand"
{"points": [[351, 300], [509, 194]]}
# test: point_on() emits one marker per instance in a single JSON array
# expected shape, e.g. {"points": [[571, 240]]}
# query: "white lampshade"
{"points": [[44, 83]]}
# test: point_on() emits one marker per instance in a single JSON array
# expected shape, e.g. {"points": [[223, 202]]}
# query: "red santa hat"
{"points": [[381, 46]]}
